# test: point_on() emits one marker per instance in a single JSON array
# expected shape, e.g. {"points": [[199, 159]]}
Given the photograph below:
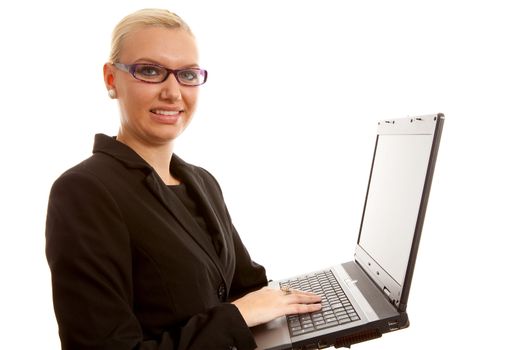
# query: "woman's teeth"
{"points": [[161, 112]]}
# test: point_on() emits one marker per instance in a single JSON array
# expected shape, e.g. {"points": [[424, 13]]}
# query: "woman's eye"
{"points": [[148, 71], [188, 75]]}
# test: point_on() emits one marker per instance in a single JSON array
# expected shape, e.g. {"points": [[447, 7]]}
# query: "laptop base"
{"points": [[275, 335]]}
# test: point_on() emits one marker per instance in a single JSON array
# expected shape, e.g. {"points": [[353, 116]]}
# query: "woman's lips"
{"points": [[166, 116]]}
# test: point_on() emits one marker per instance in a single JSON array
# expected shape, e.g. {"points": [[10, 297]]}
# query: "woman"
{"points": [[142, 251]]}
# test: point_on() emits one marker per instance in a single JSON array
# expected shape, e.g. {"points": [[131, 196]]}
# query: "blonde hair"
{"points": [[141, 18]]}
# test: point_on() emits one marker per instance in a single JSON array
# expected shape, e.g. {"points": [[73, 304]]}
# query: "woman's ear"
{"points": [[109, 80]]}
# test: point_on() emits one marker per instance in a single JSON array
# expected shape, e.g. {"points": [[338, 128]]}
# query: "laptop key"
{"points": [[331, 319], [343, 320], [325, 325], [336, 306]]}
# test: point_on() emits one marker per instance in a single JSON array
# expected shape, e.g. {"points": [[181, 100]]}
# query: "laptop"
{"points": [[367, 296]]}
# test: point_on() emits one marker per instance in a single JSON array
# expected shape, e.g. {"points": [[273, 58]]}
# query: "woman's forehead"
{"points": [[168, 46]]}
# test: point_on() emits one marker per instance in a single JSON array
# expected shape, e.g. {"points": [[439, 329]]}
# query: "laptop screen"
{"points": [[394, 197]]}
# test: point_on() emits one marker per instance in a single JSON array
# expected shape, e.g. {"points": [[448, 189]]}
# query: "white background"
{"points": [[286, 123]]}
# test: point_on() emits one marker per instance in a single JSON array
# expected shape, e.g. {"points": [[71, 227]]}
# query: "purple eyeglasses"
{"points": [[154, 73]]}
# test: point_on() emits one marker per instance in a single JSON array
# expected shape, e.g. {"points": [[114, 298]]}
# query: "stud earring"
{"points": [[112, 93]]}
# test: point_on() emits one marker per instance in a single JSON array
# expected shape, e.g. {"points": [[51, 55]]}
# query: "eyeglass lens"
{"points": [[156, 74]]}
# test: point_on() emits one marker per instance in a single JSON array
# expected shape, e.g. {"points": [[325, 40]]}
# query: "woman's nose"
{"points": [[171, 89]]}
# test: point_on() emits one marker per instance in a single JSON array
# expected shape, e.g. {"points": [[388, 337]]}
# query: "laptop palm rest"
{"points": [[275, 332]]}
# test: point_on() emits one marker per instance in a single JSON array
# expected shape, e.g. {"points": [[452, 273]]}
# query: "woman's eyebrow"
{"points": [[147, 60], [150, 60]]}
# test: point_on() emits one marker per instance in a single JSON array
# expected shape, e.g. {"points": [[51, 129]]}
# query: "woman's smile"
{"points": [[166, 116]]}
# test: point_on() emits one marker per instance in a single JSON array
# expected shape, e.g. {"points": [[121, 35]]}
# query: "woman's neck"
{"points": [[157, 156]]}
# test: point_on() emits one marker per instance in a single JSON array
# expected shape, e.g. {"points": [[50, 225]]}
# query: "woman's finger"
{"points": [[288, 290], [298, 291], [303, 299], [301, 308]]}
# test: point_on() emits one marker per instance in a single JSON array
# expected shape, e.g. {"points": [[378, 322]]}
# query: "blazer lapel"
{"points": [[182, 215], [196, 185]]}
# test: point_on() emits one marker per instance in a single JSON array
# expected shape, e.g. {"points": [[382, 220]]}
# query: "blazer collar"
{"points": [[189, 175], [120, 151]]}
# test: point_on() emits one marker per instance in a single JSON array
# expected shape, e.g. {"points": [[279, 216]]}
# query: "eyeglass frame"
{"points": [[131, 68]]}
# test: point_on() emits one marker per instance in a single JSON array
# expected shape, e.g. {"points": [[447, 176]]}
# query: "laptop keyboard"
{"points": [[336, 310]]}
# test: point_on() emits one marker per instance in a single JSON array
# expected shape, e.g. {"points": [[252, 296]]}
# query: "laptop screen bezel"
{"points": [[424, 125]]}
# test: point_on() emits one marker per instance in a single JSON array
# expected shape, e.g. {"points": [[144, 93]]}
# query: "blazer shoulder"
{"points": [[193, 172], [92, 169], [206, 175]]}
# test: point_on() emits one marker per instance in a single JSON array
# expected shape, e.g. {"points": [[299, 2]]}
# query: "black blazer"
{"points": [[131, 268]]}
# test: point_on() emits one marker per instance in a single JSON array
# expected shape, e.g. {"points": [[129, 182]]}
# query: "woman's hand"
{"points": [[267, 304]]}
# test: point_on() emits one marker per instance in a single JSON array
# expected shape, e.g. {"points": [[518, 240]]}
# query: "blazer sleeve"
{"points": [[249, 275], [89, 253]]}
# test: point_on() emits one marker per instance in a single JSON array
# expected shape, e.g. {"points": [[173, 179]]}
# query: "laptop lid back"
{"points": [[398, 189]]}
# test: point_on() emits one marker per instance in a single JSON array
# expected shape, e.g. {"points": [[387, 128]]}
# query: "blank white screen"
{"points": [[393, 201]]}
